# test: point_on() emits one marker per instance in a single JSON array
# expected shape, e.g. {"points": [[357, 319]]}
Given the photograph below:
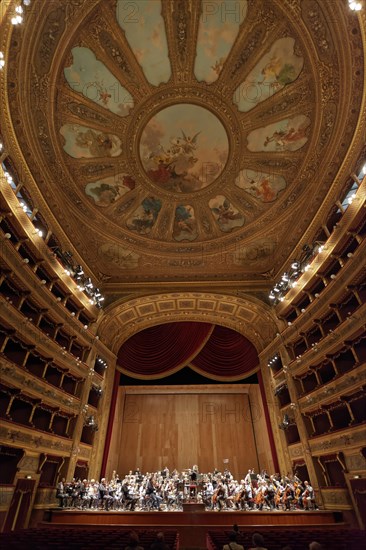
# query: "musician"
{"points": [[248, 496], [298, 490], [152, 494], [155, 489], [220, 495], [208, 493], [61, 493], [288, 496], [280, 489], [239, 496], [308, 497], [77, 490], [231, 490], [248, 477], [260, 494], [129, 498], [84, 494]]}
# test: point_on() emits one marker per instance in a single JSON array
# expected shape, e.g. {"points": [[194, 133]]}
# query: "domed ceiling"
{"points": [[184, 139]]}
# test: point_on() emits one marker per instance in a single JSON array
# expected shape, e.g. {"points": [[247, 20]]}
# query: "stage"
{"points": [[193, 524]]}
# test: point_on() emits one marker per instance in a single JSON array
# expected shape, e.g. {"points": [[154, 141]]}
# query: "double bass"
{"points": [[298, 490]]}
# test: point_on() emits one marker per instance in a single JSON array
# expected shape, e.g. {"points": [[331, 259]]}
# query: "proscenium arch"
{"points": [[246, 315]]}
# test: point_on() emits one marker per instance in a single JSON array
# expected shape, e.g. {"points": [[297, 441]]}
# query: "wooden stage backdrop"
{"points": [[177, 427]]}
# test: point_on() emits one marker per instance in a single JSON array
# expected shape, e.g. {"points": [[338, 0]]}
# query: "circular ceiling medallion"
{"points": [[184, 148]]}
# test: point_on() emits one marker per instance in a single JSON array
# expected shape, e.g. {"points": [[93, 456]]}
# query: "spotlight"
{"points": [[7, 236], [355, 6]]}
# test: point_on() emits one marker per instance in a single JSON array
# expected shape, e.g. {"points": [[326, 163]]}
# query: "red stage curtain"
{"points": [[162, 349], [19, 507], [212, 350], [227, 353]]}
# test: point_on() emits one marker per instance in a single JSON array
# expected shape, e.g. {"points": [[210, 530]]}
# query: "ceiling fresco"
{"points": [[186, 136], [144, 29], [277, 68], [184, 148], [93, 80], [218, 29]]}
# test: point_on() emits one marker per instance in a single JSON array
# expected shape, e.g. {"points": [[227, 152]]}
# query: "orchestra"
{"points": [[168, 491]]}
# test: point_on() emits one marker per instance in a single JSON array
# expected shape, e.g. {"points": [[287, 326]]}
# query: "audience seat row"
{"points": [[81, 539], [330, 539]]}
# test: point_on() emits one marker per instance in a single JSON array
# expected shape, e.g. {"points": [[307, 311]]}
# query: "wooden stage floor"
{"points": [[193, 524]]}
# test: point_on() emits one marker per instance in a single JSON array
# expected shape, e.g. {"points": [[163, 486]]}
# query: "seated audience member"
{"points": [[315, 546], [257, 542], [159, 543], [236, 529], [233, 545], [133, 542]]}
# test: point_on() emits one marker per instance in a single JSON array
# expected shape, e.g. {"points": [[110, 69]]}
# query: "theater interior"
{"points": [[166, 302]]}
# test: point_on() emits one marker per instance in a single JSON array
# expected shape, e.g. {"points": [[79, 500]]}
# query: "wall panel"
{"points": [[181, 429]]}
